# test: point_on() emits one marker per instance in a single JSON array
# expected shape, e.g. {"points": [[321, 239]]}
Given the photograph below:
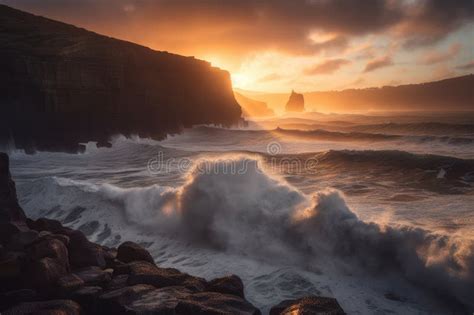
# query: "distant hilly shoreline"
{"points": [[452, 94]]}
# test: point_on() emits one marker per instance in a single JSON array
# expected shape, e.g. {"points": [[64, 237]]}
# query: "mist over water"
{"points": [[358, 214]]}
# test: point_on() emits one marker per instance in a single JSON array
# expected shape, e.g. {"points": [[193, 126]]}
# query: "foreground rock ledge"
{"points": [[47, 268]]}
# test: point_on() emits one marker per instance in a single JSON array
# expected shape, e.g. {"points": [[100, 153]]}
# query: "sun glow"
{"points": [[241, 81]]}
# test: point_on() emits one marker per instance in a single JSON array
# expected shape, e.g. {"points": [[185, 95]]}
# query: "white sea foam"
{"points": [[256, 215]]}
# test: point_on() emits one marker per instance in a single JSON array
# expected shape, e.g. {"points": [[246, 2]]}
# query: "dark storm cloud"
{"points": [[428, 21], [246, 25]]}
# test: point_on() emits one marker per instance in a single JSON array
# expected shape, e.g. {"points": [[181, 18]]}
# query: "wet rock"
{"points": [[130, 251], [215, 303], [93, 276], [51, 248], [308, 306], [227, 285], [141, 272], [82, 252], [117, 282], [12, 217], [121, 301], [146, 299], [43, 274], [62, 238], [69, 283], [52, 307]]}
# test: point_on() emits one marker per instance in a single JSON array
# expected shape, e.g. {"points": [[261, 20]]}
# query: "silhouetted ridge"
{"points": [[61, 85]]}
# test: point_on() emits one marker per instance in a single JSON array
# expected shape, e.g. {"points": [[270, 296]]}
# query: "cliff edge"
{"points": [[61, 85]]}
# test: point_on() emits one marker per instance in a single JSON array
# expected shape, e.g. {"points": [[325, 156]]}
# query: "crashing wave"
{"points": [[233, 205]]}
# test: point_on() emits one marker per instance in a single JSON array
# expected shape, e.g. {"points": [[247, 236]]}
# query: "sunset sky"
{"points": [[277, 45]]}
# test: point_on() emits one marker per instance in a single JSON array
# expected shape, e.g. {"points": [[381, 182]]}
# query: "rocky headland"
{"points": [[61, 85], [48, 268], [253, 108]]}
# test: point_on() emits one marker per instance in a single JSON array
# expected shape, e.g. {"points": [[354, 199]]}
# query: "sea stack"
{"points": [[295, 103], [62, 86]]}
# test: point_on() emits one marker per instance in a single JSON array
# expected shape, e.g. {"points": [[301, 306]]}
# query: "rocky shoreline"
{"points": [[47, 268]]}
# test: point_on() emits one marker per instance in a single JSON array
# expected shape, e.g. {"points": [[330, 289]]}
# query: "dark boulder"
{"points": [[51, 248], [130, 251], [228, 285], [82, 252], [69, 283], [52, 307], [94, 276], [117, 282], [43, 274], [142, 272], [146, 299], [311, 305], [215, 303], [121, 301], [12, 217]]}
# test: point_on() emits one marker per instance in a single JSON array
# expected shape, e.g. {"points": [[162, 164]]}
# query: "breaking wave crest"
{"points": [[258, 215]]}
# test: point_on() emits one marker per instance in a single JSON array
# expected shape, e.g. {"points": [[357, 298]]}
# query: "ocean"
{"points": [[374, 210]]}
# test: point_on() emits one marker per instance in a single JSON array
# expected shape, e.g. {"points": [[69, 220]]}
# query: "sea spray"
{"points": [[258, 215]]}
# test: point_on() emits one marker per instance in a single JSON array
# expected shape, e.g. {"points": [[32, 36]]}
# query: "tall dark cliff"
{"points": [[61, 85]]}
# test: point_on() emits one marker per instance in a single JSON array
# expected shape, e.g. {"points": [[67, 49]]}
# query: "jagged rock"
{"points": [[227, 285], [82, 252], [141, 272], [52, 307], [253, 108], [146, 299], [51, 248], [295, 103], [93, 276], [12, 217], [90, 87], [69, 283], [117, 282], [311, 305], [130, 251], [215, 303]]}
